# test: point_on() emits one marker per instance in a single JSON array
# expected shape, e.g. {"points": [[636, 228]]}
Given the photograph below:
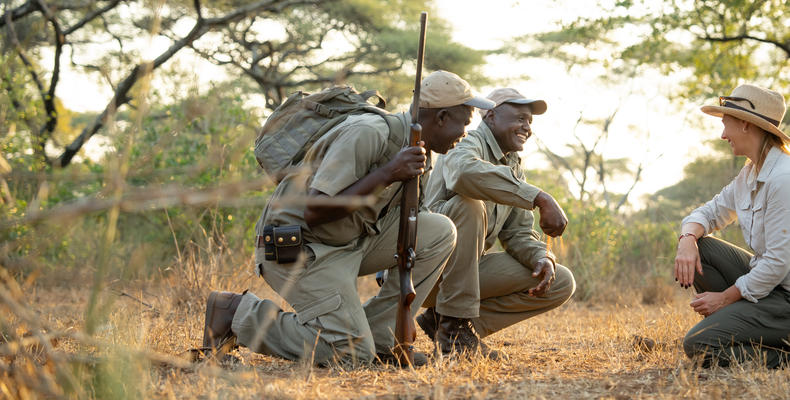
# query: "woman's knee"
{"points": [[707, 245], [699, 340]]}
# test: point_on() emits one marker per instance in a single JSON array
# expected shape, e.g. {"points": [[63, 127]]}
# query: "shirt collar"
{"points": [[491, 141]]}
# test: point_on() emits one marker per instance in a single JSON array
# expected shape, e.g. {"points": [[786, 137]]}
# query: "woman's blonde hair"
{"points": [[769, 141]]}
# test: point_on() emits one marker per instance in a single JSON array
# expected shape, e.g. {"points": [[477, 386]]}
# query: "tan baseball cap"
{"points": [[445, 89], [510, 95]]}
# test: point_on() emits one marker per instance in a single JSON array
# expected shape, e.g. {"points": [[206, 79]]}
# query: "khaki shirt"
{"points": [[762, 207], [477, 168], [344, 155]]}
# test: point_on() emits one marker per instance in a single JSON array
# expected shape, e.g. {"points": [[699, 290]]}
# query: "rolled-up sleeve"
{"points": [[774, 264], [467, 174], [718, 212], [520, 240]]}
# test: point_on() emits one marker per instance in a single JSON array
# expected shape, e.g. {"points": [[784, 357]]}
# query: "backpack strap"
{"points": [[396, 136]]}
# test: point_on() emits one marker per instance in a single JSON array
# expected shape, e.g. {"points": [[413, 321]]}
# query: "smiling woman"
{"points": [[745, 297]]}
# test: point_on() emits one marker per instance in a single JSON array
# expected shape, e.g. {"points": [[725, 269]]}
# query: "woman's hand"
{"points": [[707, 303], [687, 260]]}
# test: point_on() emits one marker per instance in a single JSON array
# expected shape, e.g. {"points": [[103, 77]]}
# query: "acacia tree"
{"points": [[720, 42], [324, 42], [714, 45], [313, 49]]}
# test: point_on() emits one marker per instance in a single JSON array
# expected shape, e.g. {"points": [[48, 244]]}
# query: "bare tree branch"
{"points": [[782, 46], [197, 9], [637, 177], [26, 8], [91, 16], [49, 98], [146, 199], [199, 29]]}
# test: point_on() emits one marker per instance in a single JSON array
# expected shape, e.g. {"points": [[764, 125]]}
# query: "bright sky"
{"points": [[647, 129]]}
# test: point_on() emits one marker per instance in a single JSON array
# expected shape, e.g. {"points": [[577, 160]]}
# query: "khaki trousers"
{"points": [[743, 330], [330, 323], [491, 289]]}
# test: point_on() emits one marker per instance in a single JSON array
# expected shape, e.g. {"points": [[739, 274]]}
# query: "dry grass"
{"points": [[578, 351]]}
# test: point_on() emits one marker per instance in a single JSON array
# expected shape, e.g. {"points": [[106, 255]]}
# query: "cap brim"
{"points": [[481, 103], [538, 106], [718, 111]]}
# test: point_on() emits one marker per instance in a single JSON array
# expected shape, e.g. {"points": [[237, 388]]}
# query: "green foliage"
{"points": [[203, 140], [703, 178], [604, 249]]}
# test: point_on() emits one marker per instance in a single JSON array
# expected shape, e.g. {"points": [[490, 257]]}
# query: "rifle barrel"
{"points": [[415, 106]]}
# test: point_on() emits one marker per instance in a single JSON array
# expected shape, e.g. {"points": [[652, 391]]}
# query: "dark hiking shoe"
{"points": [[420, 359], [428, 322], [220, 308], [457, 336]]}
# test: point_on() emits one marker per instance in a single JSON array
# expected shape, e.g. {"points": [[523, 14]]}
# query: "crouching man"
{"points": [[481, 187]]}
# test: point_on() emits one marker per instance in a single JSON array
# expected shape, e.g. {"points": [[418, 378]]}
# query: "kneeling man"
{"points": [[361, 156]]}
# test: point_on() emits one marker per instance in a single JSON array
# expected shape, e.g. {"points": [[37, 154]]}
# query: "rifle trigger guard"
{"points": [[412, 257]]}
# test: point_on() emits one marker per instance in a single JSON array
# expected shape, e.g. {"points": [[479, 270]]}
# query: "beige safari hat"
{"points": [[762, 107], [510, 95], [445, 89]]}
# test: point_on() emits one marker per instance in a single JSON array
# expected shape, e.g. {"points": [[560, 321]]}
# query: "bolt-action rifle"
{"points": [[405, 332]]}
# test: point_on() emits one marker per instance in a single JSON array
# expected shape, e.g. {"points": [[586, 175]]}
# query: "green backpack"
{"points": [[304, 118]]}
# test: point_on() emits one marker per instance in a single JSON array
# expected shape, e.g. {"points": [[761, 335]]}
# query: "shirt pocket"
{"points": [[757, 229], [331, 317], [745, 216]]}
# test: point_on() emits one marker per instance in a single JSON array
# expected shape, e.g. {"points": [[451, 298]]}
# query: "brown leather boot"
{"points": [[220, 308], [456, 335], [428, 322]]}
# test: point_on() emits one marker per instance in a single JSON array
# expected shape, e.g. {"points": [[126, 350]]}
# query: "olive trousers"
{"points": [[490, 288], [741, 331], [329, 323]]}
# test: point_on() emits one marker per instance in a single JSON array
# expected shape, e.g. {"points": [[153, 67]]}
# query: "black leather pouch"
{"points": [[287, 243]]}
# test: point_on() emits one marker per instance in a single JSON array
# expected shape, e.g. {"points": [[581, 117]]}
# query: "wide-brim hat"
{"points": [[759, 106], [443, 89], [510, 95]]}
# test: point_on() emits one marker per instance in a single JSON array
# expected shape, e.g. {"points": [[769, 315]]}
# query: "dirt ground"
{"points": [[581, 350]]}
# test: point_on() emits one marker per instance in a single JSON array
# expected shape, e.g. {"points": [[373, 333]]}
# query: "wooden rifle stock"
{"points": [[405, 331]]}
